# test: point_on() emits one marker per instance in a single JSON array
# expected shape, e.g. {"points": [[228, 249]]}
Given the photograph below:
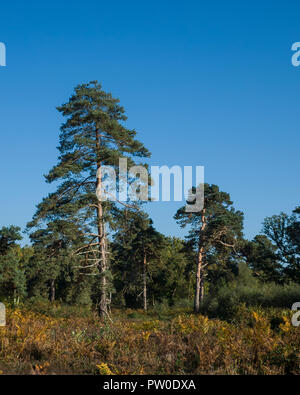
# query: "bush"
{"points": [[224, 302], [162, 309], [56, 309]]}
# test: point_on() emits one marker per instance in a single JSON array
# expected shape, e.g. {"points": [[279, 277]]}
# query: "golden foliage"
{"points": [[34, 343]]}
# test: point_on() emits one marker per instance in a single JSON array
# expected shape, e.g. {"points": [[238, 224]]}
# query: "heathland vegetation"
{"points": [[101, 291]]}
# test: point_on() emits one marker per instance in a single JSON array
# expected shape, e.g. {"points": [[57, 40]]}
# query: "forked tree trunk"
{"points": [[145, 282], [199, 288]]}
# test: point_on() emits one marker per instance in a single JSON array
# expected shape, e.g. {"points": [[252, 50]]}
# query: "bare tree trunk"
{"points": [[103, 309], [52, 291], [199, 281], [145, 282], [202, 288], [199, 288]]}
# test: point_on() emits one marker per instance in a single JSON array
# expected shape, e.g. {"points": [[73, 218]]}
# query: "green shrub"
{"points": [[225, 301]]}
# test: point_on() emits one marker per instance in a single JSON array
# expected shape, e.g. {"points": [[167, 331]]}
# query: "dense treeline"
{"points": [[90, 251]]}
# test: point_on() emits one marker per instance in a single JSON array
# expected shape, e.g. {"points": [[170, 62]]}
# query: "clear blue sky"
{"points": [[203, 83]]}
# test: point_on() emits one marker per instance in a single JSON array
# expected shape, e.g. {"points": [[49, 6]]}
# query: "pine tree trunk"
{"points": [[52, 291], [199, 288], [202, 288], [103, 308], [145, 282], [199, 292]]}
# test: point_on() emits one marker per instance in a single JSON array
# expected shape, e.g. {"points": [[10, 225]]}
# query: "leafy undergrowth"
{"points": [[257, 342]]}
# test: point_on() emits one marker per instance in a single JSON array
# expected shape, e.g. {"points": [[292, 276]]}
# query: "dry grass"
{"points": [[34, 343]]}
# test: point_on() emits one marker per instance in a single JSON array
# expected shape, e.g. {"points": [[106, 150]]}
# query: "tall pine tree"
{"points": [[214, 231], [93, 136]]}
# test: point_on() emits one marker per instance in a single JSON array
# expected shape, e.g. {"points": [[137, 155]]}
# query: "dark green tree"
{"points": [[12, 276], [172, 278], [260, 255], [283, 231], [8, 237], [53, 258], [136, 248]]}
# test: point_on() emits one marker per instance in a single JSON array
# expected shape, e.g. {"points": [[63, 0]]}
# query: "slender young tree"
{"points": [[93, 136], [147, 244], [136, 246], [217, 227]]}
